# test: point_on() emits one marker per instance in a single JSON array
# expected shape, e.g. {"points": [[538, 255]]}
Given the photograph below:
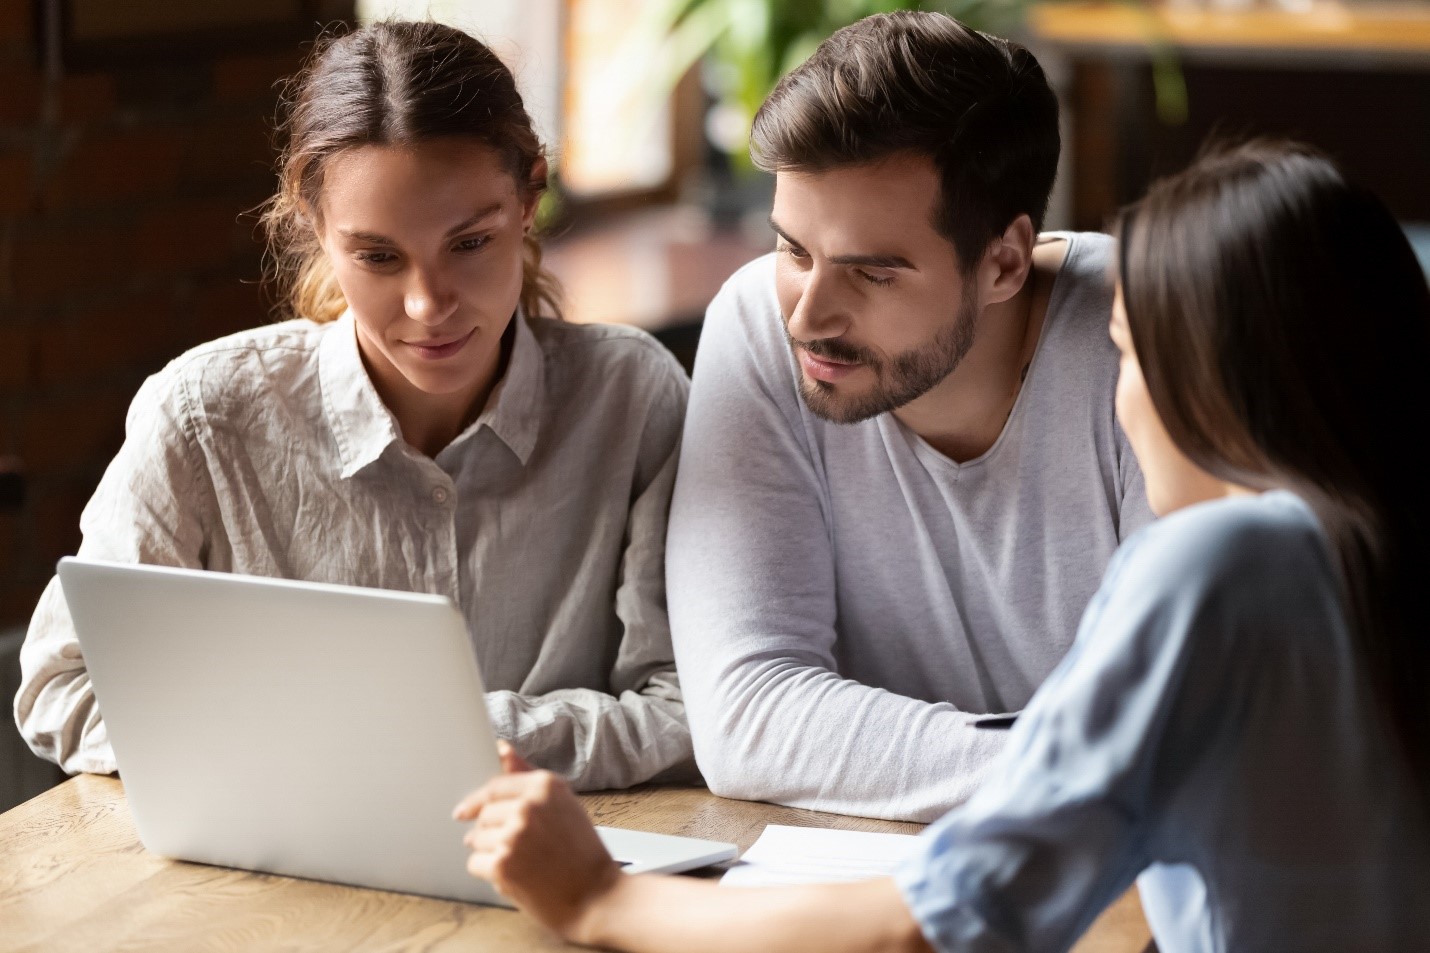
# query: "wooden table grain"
{"points": [[73, 876]]}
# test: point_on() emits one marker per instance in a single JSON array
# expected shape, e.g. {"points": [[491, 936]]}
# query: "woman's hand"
{"points": [[532, 840]]}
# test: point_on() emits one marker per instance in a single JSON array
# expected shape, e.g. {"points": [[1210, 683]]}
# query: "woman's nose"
{"points": [[429, 299]]}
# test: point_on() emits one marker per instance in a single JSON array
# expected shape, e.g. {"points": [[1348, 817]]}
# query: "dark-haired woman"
{"points": [[422, 423], [1242, 724]]}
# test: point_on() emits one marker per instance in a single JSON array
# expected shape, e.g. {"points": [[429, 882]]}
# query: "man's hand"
{"points": [[531, 838]]}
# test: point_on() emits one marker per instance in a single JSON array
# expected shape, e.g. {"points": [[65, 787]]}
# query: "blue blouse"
{"points": [[1210, 731]]}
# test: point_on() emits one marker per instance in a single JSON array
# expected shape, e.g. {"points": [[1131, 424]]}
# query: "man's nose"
{"points": [[818, 312]]}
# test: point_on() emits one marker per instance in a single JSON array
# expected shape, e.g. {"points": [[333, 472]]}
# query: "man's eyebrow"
{"points": [[868, 261], [372, 238], [873, 261], [782, 233]]}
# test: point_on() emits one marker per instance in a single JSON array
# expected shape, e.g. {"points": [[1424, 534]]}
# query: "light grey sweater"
{"points": [[843, 598]]}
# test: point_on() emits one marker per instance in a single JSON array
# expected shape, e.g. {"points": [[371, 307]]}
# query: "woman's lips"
{"points": [[825, 370], [439, 349]]}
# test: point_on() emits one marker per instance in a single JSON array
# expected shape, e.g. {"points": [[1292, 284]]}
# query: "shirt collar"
{"points": [[361, 423], [363, 426], [513, 411]]}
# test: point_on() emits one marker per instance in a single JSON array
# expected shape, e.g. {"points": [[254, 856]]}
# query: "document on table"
{"points": [[807, 855]]}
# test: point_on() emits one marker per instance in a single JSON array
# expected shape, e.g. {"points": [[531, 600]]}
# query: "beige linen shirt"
{"points": [[270, 453]]}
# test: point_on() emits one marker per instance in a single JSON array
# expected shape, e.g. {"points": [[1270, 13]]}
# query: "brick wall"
{"points": [[122, 243]]}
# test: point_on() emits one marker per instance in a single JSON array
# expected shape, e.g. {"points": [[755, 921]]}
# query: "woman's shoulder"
{"points": [[1254, 554], [296, 338], [1220, 587], [235, 370], [1234, 531], [607, 353]]}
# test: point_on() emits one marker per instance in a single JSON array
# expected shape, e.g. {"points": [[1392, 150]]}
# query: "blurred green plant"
{"points": [[749, 44]]}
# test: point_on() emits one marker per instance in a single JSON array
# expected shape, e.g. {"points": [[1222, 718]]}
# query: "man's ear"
{"points": [[535, 188], [1007, 261]]}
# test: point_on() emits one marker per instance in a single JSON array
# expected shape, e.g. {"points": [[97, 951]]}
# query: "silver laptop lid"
{"points": [[270, 725]]}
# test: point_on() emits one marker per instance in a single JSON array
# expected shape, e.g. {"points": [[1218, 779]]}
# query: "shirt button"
{"points": [[439, 494]]}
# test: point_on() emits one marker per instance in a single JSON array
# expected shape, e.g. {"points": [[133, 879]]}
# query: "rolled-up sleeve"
{"points": [[637, 731], [148, 508]]}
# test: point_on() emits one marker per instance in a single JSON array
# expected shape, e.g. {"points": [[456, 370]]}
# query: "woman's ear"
{"points": [[308, 214], [535, 188]]}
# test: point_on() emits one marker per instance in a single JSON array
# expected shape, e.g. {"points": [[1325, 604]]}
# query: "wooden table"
{"points": [[73, 876]]}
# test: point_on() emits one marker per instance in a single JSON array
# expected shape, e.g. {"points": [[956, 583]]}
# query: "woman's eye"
{"points": [[473, 243], [375, 257], [876, 279]]}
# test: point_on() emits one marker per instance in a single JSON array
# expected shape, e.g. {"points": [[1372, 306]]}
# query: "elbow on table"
{"points": [[733, 770], [736, 727], [738, 786], [68, 732], [45, 741]]}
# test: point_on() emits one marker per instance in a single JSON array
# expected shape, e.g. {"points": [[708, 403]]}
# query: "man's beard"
{"points": [[898, 380]]}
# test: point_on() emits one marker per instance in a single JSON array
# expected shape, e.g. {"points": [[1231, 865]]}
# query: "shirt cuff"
{"points": [[499, 713], [945, 909]]}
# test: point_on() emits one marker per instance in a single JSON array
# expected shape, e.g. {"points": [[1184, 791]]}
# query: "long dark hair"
{"points": [[391, 83], [1282, 323]]}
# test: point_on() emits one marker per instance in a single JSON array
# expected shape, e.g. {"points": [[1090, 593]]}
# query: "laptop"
{"points": [[303, 729]]}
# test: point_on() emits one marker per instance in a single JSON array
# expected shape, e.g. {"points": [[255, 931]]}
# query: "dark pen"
{"points": [[995, 721]]}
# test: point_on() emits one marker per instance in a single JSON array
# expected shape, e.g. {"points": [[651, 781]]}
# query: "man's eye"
{"points": [[794, 251], [876, 279]]}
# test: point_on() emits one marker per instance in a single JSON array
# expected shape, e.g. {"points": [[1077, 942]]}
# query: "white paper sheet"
{"points": [[807, 855]]}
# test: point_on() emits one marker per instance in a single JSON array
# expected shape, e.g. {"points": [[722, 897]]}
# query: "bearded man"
{"points": [[901, 476]]}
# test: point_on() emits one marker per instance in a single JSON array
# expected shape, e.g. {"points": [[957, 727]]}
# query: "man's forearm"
{"points": [[797, 735]]}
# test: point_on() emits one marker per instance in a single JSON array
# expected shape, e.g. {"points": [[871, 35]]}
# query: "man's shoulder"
{"points": [[748, 296], [744, 333], [1080, 303], [747, 308], [1087, 262], [1094, 250]]}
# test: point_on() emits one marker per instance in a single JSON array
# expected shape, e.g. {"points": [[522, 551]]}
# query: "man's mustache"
{"points": [[835, 350]]}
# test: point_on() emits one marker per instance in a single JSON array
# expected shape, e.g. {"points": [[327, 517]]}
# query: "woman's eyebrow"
{"points": [[465, 224], [373, 238]]}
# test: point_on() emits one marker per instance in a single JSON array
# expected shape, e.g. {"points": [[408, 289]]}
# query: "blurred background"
{"points": [[135, 134]]}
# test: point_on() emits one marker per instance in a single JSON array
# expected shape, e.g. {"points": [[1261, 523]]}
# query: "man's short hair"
{"points": [[977, 105]]}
